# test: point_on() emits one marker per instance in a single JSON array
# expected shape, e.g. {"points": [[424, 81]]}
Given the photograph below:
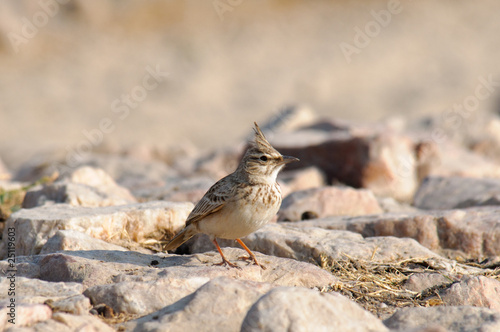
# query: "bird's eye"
{"points": [[263, 158]]}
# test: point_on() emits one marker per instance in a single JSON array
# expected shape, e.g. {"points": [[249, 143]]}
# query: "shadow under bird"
{"points": [[240, 203]]}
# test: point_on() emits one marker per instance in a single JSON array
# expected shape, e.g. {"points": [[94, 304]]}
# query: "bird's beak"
{"points": [[288, 159]]}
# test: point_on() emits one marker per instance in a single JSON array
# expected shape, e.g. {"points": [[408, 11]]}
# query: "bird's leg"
{"points": [[252, 256], [224, 260]]}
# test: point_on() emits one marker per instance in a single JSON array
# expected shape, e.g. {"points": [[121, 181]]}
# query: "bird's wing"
{"points": [[213, 200]]}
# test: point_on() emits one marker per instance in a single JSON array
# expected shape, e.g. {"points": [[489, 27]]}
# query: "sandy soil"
{"points": [[66, 70]]}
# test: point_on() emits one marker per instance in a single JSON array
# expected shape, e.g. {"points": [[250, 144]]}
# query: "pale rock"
{"points": [[76, 304], [310, 243], [25, 315], [428, 157], [179, 190], [218, 305], [428, 328], [74, 194], [24, 266], [299, 309], [8, 185], [478, 291], [419, 282], [450, 318], [74, 240], [290, 240], [132, 294], [489, 144], [419, 226], [480, 134], [35, 291], [65, 322], [134, 222], [390, 205], [125, 280], [455, 127], [96, 177], [133, 174], [474, 231], [301, 179], [381, 161], [328, 201], [458, 161], [457, 192], [88, 268], [85, 186]]}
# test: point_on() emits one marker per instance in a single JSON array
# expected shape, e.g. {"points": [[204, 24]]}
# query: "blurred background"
{"points": [[167, 73]]}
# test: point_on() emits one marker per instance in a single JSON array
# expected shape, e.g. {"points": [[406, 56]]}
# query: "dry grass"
{"points": [[11, 200], [380, 287], [156, 246], [119, 318]]}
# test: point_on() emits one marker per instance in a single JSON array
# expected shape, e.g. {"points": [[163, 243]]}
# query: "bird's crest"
{"points": [[260, 142]]}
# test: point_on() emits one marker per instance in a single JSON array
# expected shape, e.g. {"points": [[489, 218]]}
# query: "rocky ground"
{"points": [[384, 227]]}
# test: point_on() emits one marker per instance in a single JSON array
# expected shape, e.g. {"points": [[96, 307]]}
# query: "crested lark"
{"points": [[241, 202]]}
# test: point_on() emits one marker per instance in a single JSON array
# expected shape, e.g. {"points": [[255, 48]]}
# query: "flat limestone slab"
{"points": [[33, 227], [126, 280]]}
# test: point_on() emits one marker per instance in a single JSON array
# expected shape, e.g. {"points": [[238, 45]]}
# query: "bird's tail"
{"points": [[184, 235]]}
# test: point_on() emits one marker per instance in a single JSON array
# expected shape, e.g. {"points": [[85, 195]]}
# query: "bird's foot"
{"points": [[225, 262], [253, 259]]}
